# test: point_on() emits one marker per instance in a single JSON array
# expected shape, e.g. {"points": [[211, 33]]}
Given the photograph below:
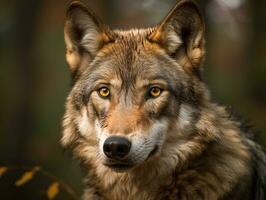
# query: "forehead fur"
{"points": [[132, 55]]}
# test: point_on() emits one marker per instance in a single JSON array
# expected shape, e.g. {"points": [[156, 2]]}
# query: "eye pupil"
{"points": [[155, 92], [104, 92]]}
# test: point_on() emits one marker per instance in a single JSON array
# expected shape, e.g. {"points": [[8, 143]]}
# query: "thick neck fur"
{"points": [[189, 167]]}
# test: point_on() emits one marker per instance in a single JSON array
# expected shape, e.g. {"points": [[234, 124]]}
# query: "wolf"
{"points": [[140, 118]]}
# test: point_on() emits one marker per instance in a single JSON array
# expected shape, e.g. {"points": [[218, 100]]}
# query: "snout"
{"points": [[116, 147]]}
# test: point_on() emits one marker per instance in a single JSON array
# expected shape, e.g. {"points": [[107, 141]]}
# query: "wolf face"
{"points": [[131, 88], [138, 106]]}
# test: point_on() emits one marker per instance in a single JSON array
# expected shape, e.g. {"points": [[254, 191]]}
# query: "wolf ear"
{"points": [[181, 34], [84, 34]]}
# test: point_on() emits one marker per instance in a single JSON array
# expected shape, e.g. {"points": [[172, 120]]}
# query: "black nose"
{"points": [[116, 147]]}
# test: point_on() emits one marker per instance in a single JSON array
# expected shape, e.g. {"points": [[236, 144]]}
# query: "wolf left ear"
{"points": [[84, 34], [181, 34]]}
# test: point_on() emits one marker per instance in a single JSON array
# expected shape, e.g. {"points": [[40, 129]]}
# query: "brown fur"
{"points": [[202, 152]]}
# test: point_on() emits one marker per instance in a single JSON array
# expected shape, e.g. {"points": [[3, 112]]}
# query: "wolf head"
{"points": [[135, 90]]}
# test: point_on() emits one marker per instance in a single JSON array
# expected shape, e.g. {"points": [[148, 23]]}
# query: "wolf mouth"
{"points": [[118, 166], [125, 165]]}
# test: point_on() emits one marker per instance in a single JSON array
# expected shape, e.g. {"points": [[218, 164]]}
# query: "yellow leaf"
{"points": [[53, 190], [26, 177], [2, 171]]}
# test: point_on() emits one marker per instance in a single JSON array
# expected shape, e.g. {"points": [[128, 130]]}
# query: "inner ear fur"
{"points": [[181, 34], [85, 34]]}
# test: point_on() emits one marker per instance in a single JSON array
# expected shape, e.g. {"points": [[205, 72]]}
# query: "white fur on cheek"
{"points": [[101, 135], [185, 115], [143, 144], [83, 123], [158, 131]]}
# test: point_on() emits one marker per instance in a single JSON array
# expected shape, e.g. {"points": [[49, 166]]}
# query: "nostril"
{"points": [[107, 149], [116, 147], [122, 150]]}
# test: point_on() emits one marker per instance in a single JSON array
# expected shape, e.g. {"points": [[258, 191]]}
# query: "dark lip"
{"points": [[153, 152], [118, 165]]}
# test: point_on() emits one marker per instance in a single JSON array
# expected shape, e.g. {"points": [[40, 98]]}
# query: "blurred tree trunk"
{"points": [[21, 121], [256, 60], [258, 27]]}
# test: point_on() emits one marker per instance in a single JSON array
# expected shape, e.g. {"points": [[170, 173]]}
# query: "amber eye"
{"points": [[104, 92], [155, 92]]}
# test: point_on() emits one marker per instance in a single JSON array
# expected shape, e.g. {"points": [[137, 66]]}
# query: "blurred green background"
{"points": [[35, 80]]}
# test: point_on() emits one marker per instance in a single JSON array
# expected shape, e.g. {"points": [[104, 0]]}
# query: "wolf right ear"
{"points": [[84, 34], [181, 34]]}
